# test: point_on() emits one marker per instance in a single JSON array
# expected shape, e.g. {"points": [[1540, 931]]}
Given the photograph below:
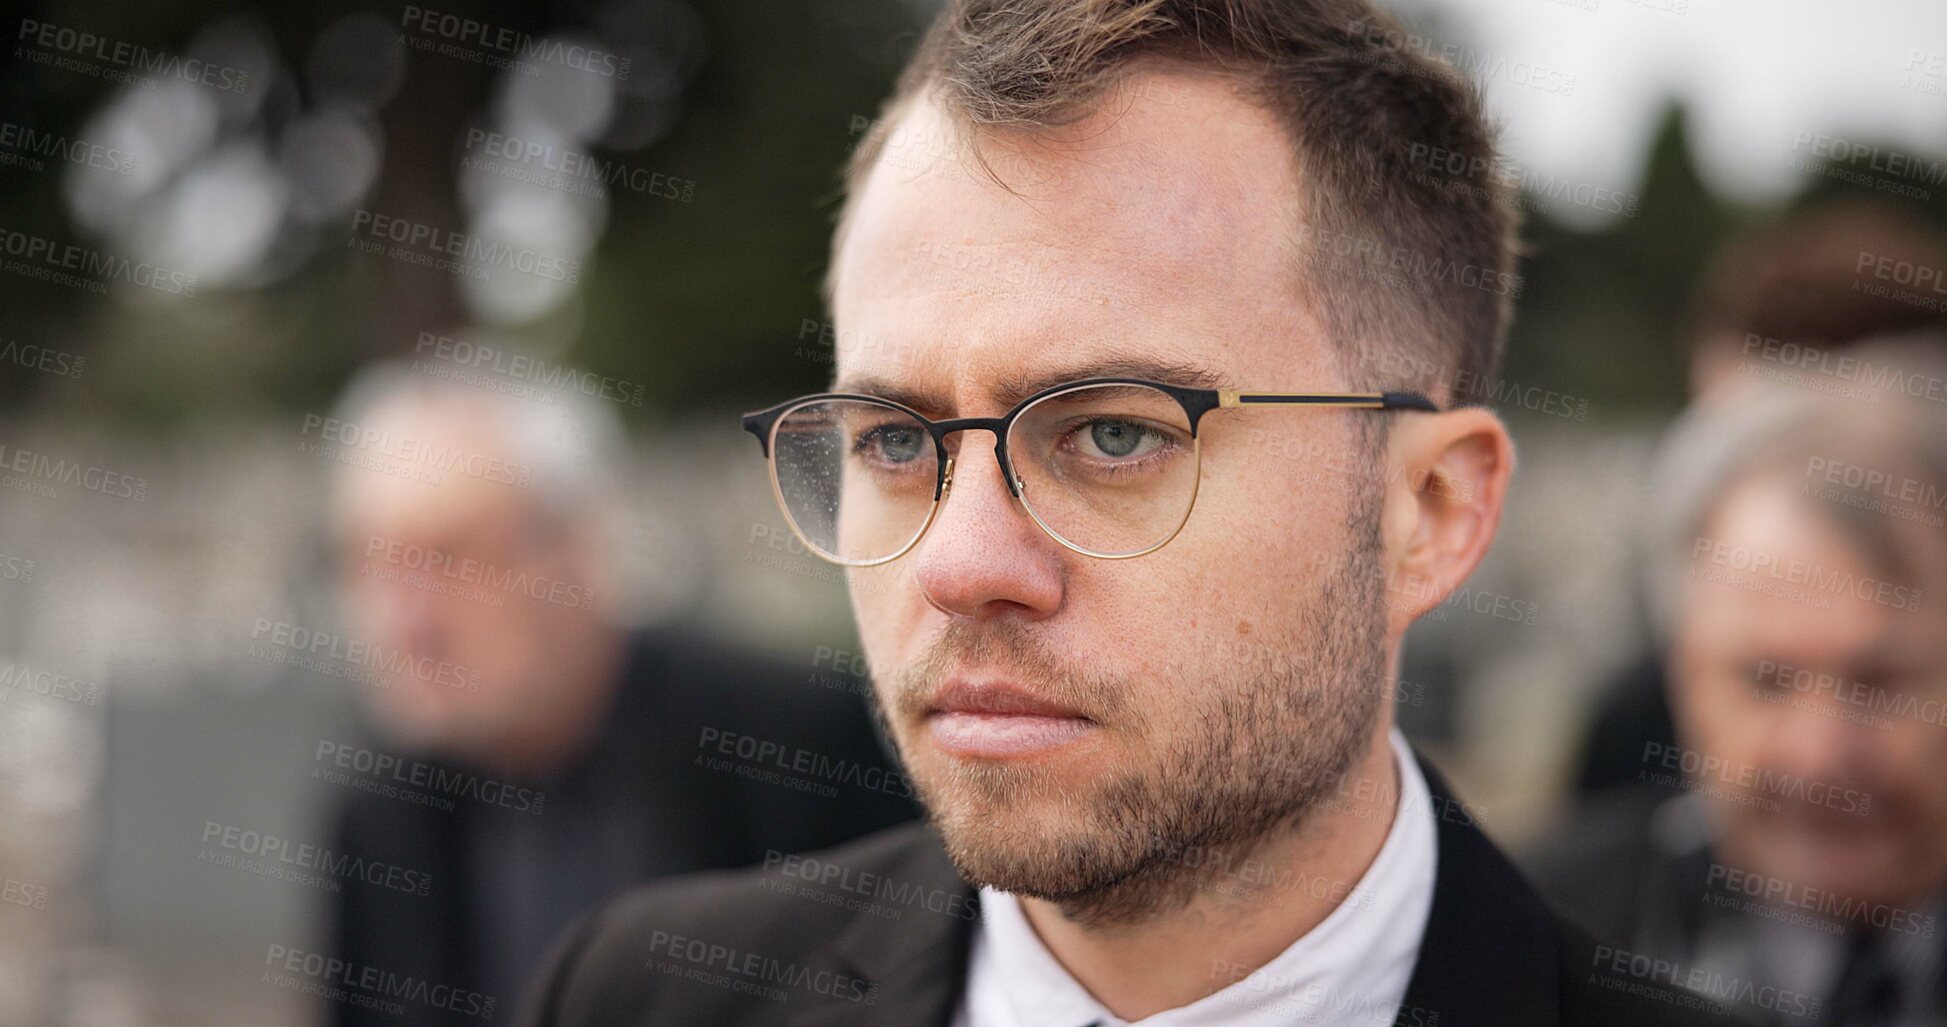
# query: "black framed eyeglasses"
{"points": [[1108, 467]]}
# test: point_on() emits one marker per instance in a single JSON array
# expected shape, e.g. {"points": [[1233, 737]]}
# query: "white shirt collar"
{"points": [[1350, 969]]}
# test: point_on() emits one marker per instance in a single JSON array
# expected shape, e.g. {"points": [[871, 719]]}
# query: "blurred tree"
{"points": [[699, 296], [1600, 315]]}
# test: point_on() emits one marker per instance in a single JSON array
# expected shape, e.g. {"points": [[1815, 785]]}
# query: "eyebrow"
{"points": [[1016, 385]]}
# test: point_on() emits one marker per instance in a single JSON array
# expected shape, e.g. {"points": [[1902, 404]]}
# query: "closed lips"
{"points": [[999, 700], [995, 721]]}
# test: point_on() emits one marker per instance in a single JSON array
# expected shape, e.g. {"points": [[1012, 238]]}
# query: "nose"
{"points": [[984, 557]]}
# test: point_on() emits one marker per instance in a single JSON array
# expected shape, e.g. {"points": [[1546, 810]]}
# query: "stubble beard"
{"points": [[1266, 734]]}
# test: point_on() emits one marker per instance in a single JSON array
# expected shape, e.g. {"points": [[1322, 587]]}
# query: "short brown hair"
{"points": [[1410, 266]]}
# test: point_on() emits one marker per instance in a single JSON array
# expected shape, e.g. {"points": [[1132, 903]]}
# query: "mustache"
{"points": [[1014, 652]]}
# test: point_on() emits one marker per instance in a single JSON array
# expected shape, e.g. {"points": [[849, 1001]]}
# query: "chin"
{"points": [[1024, 855], [997, 806]]}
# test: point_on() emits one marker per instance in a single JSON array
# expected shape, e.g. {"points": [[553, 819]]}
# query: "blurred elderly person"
{"points": [[551, 754], [1788, 852], [1786, 299]]}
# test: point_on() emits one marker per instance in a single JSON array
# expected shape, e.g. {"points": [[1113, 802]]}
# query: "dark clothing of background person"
{"points": [[1493, 954], [1632, 714], [653, 795], [1634, 867]]}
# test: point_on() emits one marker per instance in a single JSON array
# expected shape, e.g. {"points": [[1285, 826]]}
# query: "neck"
{"points": [[1261, 898]]}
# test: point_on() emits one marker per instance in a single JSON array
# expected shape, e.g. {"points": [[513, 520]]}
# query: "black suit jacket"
{"points": [[804, 946], [1632, 866], [707, 758]]}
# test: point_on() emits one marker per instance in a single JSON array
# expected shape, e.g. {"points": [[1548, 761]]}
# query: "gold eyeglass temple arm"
{"points": [[1238, 398]]}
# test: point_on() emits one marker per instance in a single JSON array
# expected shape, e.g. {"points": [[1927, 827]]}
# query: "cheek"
{"points": [[1731, 727], [1698, 687], [371, 604], [1713, 715], [1144, 620], [1256, 492], [1248, 552], [506, 641], [1184, 712], [1907, 758]]}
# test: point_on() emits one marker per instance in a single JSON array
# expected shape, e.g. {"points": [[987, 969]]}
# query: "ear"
{"points": [[1448, 477]]}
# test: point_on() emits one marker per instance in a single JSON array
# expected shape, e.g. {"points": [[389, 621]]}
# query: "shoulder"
{"points": [[697, 948], [1494, 952], [1625, 865], [1601, 832], [1605, 985]]}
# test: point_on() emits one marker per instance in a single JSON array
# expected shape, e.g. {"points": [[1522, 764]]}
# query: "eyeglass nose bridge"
{"points": [[998, 426]]}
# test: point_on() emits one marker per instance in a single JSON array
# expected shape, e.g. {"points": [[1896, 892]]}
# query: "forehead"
{"points": [[1160, 226], [1821, 610], [415, 480]]}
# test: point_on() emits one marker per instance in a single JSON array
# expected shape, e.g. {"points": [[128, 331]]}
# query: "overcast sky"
{"points": [[1578, 90]]}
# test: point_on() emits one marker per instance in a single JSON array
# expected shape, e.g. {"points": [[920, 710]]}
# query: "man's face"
{"points": [[1823, 714], [454, 581], [1112, 711]]}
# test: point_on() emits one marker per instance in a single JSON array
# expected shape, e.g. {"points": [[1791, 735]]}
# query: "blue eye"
{"points": [[892, 443], [1120, 440], [1115, 438]]}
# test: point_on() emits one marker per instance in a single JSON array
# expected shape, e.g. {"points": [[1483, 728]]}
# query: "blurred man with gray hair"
{"points": [[1794, 834], [563, 753]]}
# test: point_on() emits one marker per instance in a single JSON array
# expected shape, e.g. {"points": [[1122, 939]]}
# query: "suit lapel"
{"points": [[1491, 953], [918, 963]]}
